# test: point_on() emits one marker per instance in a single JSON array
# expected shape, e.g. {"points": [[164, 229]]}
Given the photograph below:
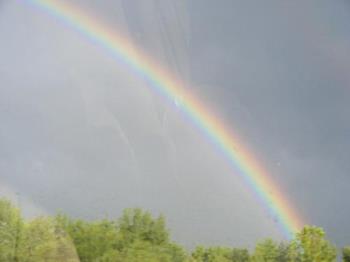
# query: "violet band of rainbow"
{"points": [[172, 89]]}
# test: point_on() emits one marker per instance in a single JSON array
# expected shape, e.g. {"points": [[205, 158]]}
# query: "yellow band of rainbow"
{"points": [[171, 88]]}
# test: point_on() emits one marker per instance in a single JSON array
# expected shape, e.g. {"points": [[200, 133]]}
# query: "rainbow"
{"points": [[173, 89]]}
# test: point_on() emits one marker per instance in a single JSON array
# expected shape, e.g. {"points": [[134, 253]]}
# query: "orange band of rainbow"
{"points": [[171, 88]]}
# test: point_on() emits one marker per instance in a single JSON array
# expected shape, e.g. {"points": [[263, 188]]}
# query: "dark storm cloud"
{"points": [[287, 64]]}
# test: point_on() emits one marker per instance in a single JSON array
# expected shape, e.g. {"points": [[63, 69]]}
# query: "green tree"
{"points": [[111, 256], [38, 241], [240, 255], [144, 238], [199, 254], [176, 252], [10, 229], [92, 239], [141, 251], [137, 236], [136, 224], [283, 252], [43, 240], [65, 248], [265, 251], [310, 245], [220, 254], [346, 254]]}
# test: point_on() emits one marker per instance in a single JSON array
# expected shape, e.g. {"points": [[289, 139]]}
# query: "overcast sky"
{"points": [[82, 133]]}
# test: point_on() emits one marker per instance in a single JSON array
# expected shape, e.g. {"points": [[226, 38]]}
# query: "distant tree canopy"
{"points": [[11, 224], [310, 245], [346, 254], [137, 236], [38, 240], [212, 254]]}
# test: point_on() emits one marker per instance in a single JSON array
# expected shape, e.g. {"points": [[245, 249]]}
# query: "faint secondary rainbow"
{"points": [[171, 88]]}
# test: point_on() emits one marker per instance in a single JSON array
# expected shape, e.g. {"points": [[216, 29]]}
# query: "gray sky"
{"points": [[81, 133]]}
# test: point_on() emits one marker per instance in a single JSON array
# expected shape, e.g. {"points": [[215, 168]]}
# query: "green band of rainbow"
{"points": [[168, 86]]}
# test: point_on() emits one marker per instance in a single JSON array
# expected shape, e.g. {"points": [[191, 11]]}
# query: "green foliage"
{"points": [[346, 254], [266, 251], [137, 237], [240, 255], [220, 254], [144, 238], [136, 224], [92, 239], [10, 229], [310, 245], [145, 251], [37, 241], [283, 252], [42, 240]]}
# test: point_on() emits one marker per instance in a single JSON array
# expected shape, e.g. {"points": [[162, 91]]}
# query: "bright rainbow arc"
{"points": [[166, 85]]}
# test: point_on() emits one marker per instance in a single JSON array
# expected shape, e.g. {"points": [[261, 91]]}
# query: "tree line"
{"points": [[138, 236]]}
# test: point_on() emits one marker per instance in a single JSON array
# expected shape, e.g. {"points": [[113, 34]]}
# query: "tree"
{"points": [[137, 236], [283, 252], [141, 251], [220, 254], [136, 224], [266, 251], [37, 241], [11, 224], [346, 254], [200, 254], [43, 240], [240, 255], [65, 248], [310, 245], [92, 239], [144, 238]]}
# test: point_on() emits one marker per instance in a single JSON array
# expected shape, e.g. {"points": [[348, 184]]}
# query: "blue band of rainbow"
{"points": [[172, 89]]}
